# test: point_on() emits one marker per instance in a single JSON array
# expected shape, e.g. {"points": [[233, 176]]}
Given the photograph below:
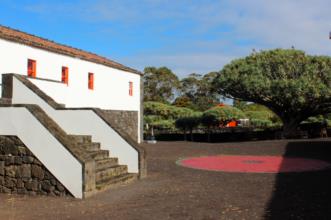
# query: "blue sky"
{"points": [[185, 35]]}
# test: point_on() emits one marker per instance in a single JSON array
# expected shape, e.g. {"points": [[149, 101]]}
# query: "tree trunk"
{"points": [[290, 127], [185, 136], [191, 134], [152, 133], [209, 135]]}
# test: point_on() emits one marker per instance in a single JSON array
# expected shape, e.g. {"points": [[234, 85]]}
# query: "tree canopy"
{"points": [[163, 116], [160, 84], [292, 84], [197, 92], [166, 111]]}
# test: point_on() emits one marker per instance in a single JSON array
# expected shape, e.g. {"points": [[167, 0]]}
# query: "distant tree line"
{"points": [[271, 88], [194, 92], [170, 118]]}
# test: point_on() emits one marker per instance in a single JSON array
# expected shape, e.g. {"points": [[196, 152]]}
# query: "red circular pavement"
{"points": [[253, 164]]}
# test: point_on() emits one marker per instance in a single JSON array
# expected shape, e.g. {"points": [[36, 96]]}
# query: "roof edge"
{"points": [[31, 40]]}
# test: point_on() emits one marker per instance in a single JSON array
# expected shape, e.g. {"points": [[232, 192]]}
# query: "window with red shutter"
{"points": [[130, 88], [32, 68], [65, 75], [91, 81]]}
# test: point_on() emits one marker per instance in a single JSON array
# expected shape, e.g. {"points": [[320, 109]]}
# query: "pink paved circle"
{"points": [[254, 164]]}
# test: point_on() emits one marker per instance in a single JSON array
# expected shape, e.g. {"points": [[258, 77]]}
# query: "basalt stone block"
{"points": [[25, 171], [37, 172], [37, 162], [2, 168], [9, 160], [10, 183], [2, 180], [32, 185], [16, 141], [6, 150], [21, 151], [60, 187], [9, 150], [10, 142], [47, 186], [18, 172], [19, 184], [6, 190], [18, 160], [10, 171], [47, 176], [28, 159], [53, 181]]}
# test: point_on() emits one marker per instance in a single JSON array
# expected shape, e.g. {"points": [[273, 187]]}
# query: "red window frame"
{"points": [[32, 68], [130, 88], [91, 81], [65, 75]]}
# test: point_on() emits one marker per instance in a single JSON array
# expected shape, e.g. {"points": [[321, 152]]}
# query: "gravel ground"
{"points": [[174, 192]]}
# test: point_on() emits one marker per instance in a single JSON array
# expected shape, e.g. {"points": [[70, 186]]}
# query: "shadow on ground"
{"points": [[305, 195]]}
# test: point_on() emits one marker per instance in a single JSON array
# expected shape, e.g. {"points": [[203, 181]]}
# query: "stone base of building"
{"points": [[22, 173]]}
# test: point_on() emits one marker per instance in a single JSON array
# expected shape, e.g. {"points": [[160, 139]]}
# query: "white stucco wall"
{"points": [[111, 86], [58, 160], [82, 122]]}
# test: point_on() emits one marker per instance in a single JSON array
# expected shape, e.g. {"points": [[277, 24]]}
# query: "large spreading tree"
{"points": [[291, 83]]}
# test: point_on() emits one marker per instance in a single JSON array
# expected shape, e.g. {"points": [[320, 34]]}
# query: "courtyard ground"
{"points": [[174, 192]]}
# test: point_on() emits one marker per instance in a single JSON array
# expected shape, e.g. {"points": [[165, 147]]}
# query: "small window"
{"points": [[130, 88], [32, 68], [65, 75], [91, 81]]}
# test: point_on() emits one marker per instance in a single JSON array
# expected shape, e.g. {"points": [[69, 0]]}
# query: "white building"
{"points": [[79, 80]]}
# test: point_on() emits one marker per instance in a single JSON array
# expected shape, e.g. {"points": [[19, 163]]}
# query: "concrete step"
{"points": [[118, 180], [99, 154], [106, 163], [110, 172], [81, 138], [90, 146]]}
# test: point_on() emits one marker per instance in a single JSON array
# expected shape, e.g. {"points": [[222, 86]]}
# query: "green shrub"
{"points": [[187, 123], [224, 113], [261, 123], [166, 111], [163, 116]]}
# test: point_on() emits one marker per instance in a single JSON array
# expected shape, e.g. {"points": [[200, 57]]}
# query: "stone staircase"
{"points": [[108, 172], [90, 168]]}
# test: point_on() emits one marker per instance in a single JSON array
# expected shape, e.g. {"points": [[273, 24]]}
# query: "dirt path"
{"points": [[174, 192]]}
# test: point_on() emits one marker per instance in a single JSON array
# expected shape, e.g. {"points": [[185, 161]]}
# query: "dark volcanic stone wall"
{"points": [[126, 121], [22, 173]]}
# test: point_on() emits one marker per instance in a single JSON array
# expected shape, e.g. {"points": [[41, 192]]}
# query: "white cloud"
{"points": [[267, 24], [263, 24], [303, 24]]}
